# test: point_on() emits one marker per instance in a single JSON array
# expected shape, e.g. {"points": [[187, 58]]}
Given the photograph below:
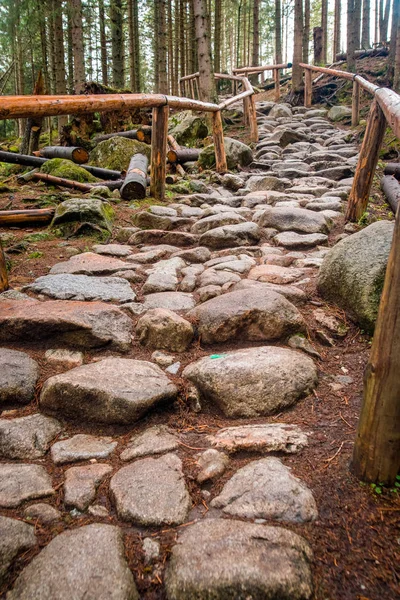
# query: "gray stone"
{"points": [[219, 559], [176, 301], [164, 276], [294, 219], [266, 489], [18, 375], [154, 440], [163, 329], [187, 127], [299, 342], [82, 447], [260, 183], [269, 437], [339, 113], [353, 271], [113, 250], [162, 358], [77, 215], [275, 274], [75, 324], [213, 277], [150, 255], [113, 390], [254, 314], [228, 236], [212, 464], [87, 563], [27, 437], [81, 484], [280, 110], [42, 512], [151, 491], [217, 220], [82, 287], [253, 382], [90, 263], [291, 239], [290, 292], [151, 549], [156, 236], [15, 537], [20, 482], [236, 154], [13, 295], [209, 291], [194, 255], [63, 357]]}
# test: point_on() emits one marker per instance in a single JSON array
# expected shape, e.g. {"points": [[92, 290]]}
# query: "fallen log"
{"points": [[183, 155], [75, 153], [270, 86], [33, 161], [364, 53], [175, 146], [391, 188], [3, 271], [135, 183], [112, 185], [36, 216], [142, 134], [61, 181], [393, 169]]}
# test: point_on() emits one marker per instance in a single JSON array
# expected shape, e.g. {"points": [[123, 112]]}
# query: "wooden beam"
{"points": [[376, 456], [355, 104], [369, 154], [253, 119], [3, 271], [35, 216], [218, 135], [159, 152], [308, 88]]}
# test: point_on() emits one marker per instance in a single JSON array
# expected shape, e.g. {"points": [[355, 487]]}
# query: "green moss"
{"points": [[41, 236], [59, 167], [117, 152], [187, 128]]}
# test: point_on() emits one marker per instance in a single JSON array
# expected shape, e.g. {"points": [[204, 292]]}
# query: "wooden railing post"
{"points": [[3, 271], [369, 154], [246, 120], [355, 104], [277, 85], [253, 119], [191, 88], [218, 135], [159, 135], [376, 454], [307, 88]]}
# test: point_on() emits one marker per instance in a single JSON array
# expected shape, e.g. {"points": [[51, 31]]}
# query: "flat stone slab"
{"points": [[83, 287], [82, 447], [90, 263], [266, 489], [27, 437], [81, 484], [254, 314], [291, 239], [42, 512], [87, 563], [113, 249], [15, 537], [217, 220], [220, 559], [212, 464], [253, 382], [269, 437], [164, 276], [151, 491], [20, 482], [228, 236], [294, 294], [76, 324], [275, 274], [18, 373], [176, 301], [154, 440], [113, 390], [294, 219], [157, 236]]}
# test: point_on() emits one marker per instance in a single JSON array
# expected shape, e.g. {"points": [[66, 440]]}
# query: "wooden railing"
{"points": [[246, 71]]}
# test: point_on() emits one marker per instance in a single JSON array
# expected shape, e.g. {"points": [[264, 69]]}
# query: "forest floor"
{"points": [[356, 537]]}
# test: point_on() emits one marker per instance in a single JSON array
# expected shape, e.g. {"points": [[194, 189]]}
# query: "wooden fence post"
{"points": [[3, 271], [159, 134], [277, 85], [355, 104], [307, 88], [246, 109], [191, 84], [253, 119], [376, 455], [369, 154], [218, 135]]}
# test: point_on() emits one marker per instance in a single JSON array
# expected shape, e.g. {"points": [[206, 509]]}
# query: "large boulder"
{"points": [[187, 127], [253, 382], [236, 154], [79, 215], [116, 153], [353, 272], [294, 219], [15, 537], [60, 167], [339, 113]]}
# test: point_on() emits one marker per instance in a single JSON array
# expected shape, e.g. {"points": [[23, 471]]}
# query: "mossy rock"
{"points": [[60, 167], [80, 216], [236, 154], [187, 128], [117, 152]]}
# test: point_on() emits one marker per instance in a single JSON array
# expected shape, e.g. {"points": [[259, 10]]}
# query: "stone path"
{"points": [[85, 465]]}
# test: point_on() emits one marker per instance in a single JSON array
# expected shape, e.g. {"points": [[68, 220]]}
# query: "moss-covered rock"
{"points": [[187, 127], [352, 273], [60, 167], [82, 215], [236, 154], [101, 191], [117, 152]]}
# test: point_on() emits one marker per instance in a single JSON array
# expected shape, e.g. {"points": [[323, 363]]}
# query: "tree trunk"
{"points": [[70, 53], [134, 47], [255, 60], [103, 43], [206, 79], [182, 54], [77, 46], [396, 79], [353, 32], [306, 32], [161, 57], [297, 74], [366, 24], [175, 89], [43, 44], [278, 32], [324, 27], [384, 11], [337, 28], [393, 42], [217, 37], [171, 68], [59, 62], [376, 456], [3, 271], [117, 52]]}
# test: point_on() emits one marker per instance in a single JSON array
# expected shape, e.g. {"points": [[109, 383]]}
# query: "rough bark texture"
{"points": [[278, 32], [134, 46], [297, 72], [393, 42], [206, 79], [159, 152], [324, 26], [306, 31], [337, 28], [103, 43], [353, 32], [366, 24], [77, 46], [3, 271], [317, 35], [117, 48]]}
